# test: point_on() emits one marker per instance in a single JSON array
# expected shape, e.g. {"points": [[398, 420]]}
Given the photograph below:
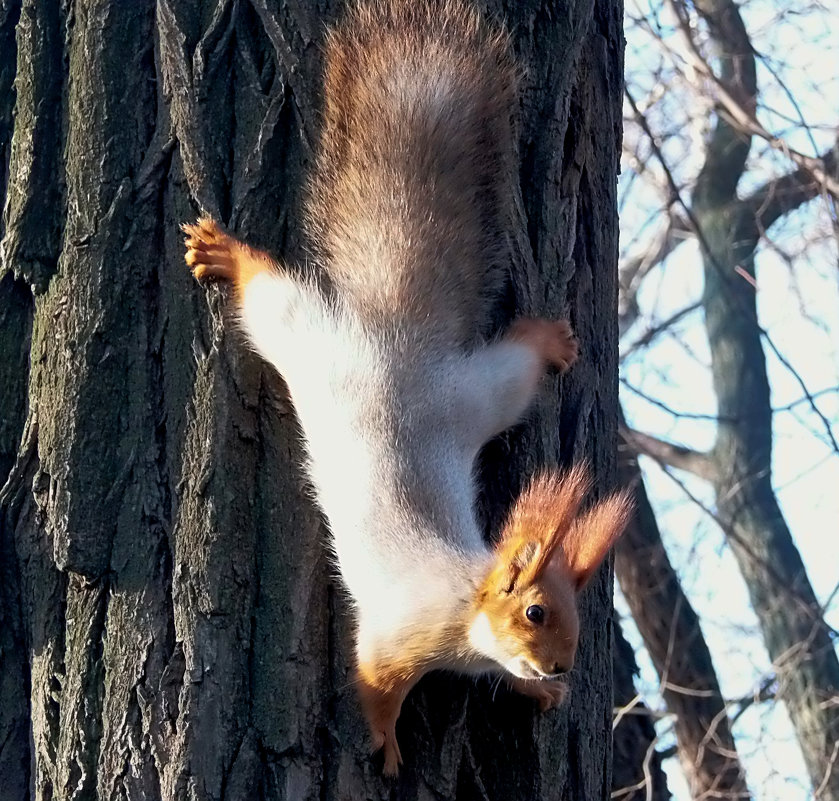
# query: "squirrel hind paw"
{"points": [[564, 348], [552, 340], [208, 250], [205, 229], [210, 264], [385, 740]]}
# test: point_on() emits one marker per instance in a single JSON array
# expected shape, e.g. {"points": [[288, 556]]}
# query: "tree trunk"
{"points": [[171, 625], [673, 637], [637, 774]]}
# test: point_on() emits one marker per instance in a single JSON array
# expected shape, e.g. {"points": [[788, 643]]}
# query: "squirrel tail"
{"points": [[409, 202]]}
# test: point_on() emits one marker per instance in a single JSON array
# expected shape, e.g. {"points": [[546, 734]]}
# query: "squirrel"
{"points": [[394, 389]]}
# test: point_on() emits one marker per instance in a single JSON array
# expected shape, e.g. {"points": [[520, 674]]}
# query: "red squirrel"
{"points": [[395, 392]]}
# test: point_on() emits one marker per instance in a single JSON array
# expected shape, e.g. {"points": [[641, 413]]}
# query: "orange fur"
{"points": [[382, 688], [543, 514], [553, 340], [591, 536], [384, 680], [545, 555], [211, 253]]}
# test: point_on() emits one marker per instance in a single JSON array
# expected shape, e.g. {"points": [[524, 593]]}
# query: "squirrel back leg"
{"points": [[552, 341], [281, 314], [211, 253], [494, 385]]}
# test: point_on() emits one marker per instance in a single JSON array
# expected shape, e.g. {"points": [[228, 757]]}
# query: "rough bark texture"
{"points": [[171, 627], [799, 643], [672, 635]]}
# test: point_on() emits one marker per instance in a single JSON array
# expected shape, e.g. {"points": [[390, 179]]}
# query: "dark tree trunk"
{"points": [[637, 774], [673, 637], [170, 624]]}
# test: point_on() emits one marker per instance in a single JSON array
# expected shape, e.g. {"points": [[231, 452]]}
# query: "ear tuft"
{"points": [[593, 534], [540, 519]]}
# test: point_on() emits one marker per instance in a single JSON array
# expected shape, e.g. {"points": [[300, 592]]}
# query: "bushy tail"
{"points": [[410, 198]]}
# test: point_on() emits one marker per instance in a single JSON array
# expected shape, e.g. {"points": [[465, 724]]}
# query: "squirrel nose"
{"points": [[558, 669]]}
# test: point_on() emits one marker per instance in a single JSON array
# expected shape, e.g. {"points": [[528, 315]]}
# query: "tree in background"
{"points": [[732, 162], [169, 626]]}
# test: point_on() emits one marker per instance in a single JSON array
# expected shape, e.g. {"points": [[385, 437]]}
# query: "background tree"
{"points": [[637, 774], [673, 638], [170, 628], [730, 144]]}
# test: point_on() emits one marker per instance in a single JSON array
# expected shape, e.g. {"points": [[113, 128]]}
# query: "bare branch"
{"points": [[767, 691], [796, 636], [780, 196], [716, 264], [729, 231], [664, 407], [653, 331], [747, 123], [673, 637], [636, 768], [632, 270], [736, 88], [679, 456]]}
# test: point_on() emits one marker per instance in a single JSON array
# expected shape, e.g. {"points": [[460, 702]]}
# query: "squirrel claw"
{"points": [[209, 251], [549, 693], [206, 229]]}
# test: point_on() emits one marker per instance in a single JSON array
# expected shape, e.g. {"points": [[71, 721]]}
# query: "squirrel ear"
{"points": [[592, 535], [540, 520], [512, 555]]}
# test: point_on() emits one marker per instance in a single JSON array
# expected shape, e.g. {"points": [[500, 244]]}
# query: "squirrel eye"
{"points": [[535, 613]]}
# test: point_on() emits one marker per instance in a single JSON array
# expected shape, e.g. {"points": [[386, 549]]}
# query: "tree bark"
{"points": [[171, 625]]}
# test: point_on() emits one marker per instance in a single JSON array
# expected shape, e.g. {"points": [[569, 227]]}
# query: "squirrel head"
{"points": [[525, 613]]}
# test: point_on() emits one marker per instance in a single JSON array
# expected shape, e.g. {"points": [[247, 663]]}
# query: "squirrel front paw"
{"points": [[384, 737], [553, 340], [381, 698], [549, 693]]}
